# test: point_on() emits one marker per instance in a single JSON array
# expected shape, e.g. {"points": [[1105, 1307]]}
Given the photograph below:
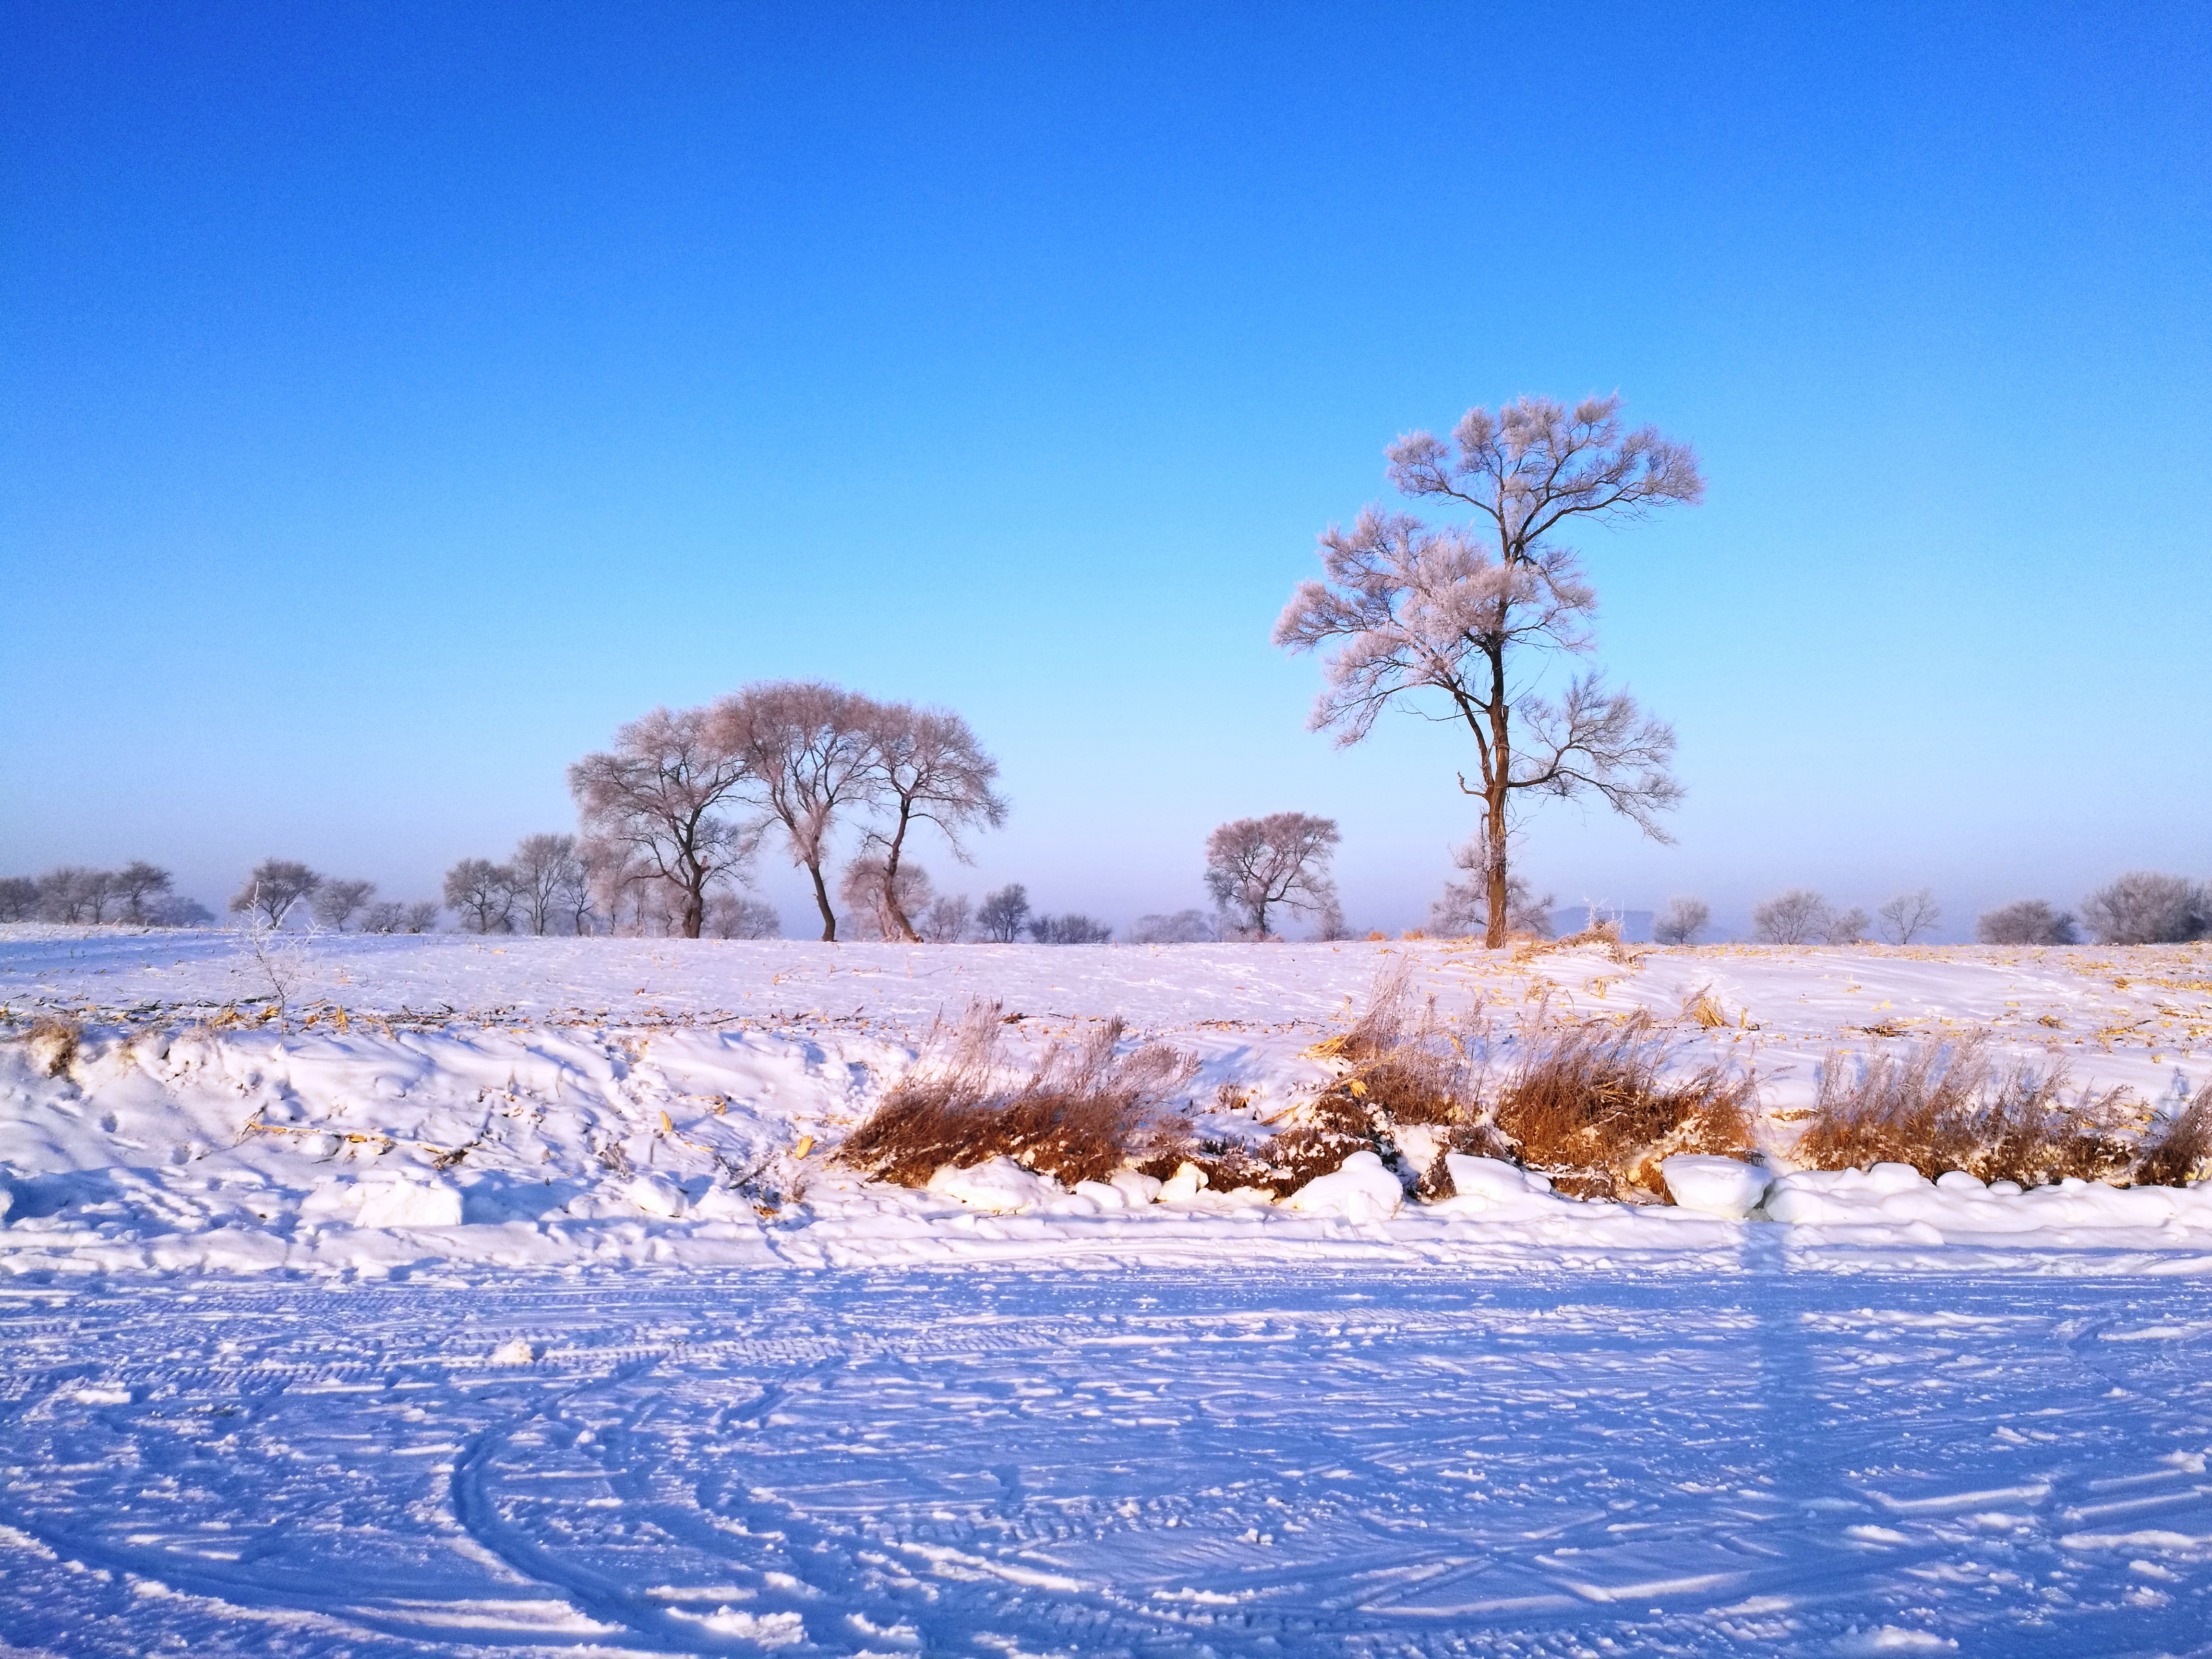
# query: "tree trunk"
{"points": [[695, 912], [890, 880], [1495, 786], [822, 899]]}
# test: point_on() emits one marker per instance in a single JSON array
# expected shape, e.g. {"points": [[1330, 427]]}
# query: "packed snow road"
{"points": [[1547, 1461]]}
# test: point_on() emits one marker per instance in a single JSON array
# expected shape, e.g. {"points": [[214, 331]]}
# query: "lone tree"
{"points": [[657, 799], [1252, 865], [1908, 915], [1470, 612], [1001, 917]]}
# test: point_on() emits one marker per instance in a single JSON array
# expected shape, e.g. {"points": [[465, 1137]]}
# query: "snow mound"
{"points": [[409, 1204], [1362, 1190], [999, 1185], [1715, 1186]]}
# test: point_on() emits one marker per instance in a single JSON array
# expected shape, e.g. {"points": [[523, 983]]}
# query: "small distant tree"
{"points": [[733, 915], [1846, 927], [809, 752], [1464, 906], [1460, 616], [482, 894], [337, 902], [272, 888], [175, 910], [1000, 918], [1183, 927], [2025, 921], [1798, 916], [18, 898], [546, 873], [1681, 921], [659, 801], [384, 916], [948, 919], [928, 768], [1909, 915], [2146, 908], [1281, 860], [1073, 928], [74, 893], [423, 917], [139, 887]]}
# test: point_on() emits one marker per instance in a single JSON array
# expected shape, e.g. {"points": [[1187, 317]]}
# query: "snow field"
{"points": [[1317, 1461]]}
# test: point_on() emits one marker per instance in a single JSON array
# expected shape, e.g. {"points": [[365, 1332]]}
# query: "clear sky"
{"points": [[395, 398]]}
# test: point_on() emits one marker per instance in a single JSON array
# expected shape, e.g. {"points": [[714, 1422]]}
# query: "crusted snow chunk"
{"points": [[1492, 1178], [656, 1194], [999, 1184], [1360, 1190], [1723, 1187]]}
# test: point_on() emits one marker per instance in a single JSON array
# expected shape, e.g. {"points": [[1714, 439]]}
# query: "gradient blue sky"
{"points": [[398, 398]]}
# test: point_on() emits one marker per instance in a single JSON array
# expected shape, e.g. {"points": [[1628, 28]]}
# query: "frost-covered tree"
{"points": [[1192, 927], [1798, 916], [928, 768], [140, 888], [1681, 921], [18, 898], [947, 920], [659, 800], [547, 875], [733, 915], [2025, 921], [1908, 915], [806, 752], [1464, 619], [2146, 908], [1000, 918], [336, 902], [272, 888], [878, 901], [1278, 861], [423, 917], [482, 894], [1464, 906]]}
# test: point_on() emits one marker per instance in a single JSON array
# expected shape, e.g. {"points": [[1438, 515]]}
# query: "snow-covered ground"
{"points": [[500, 1299]]}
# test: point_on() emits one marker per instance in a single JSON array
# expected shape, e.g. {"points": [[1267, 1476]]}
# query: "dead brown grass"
{"points": [[1591, 1109], [2181, 1152], [1082, 1113], [1945, 1105], [53, 1042]]}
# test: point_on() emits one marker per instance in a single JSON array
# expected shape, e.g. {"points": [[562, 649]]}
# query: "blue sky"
{"points": [[398, 398]]}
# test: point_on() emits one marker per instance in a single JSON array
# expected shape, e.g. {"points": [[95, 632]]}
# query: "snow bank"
{"points": [[380, 1138]]}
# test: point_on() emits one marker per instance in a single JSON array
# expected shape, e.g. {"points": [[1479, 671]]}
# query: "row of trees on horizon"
{"points": [[1257, 869]]}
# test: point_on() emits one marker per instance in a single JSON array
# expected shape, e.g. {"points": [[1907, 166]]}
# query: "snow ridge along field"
{"points": [[550, 1103]]}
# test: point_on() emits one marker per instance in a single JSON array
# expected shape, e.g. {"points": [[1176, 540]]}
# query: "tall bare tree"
{"points": [[141, 886], [1470, 613], [807, 749], [482, 894], [336, 902], [659, 799], [1908, 915], [1254, 865], [545, 873], [928, 768]]}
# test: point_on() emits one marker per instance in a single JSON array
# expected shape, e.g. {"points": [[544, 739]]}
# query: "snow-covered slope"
{"points": [[561, 1102]]}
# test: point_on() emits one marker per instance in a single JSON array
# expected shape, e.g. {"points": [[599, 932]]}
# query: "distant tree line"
{"points": [[140, 893]]}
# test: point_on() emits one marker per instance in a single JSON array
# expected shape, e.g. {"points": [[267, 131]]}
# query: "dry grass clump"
{"points": [[1083, 1112], [52, 1043], [1945, 1105], [1591, 1110], [1403, 1063], [2182, 1151]]}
